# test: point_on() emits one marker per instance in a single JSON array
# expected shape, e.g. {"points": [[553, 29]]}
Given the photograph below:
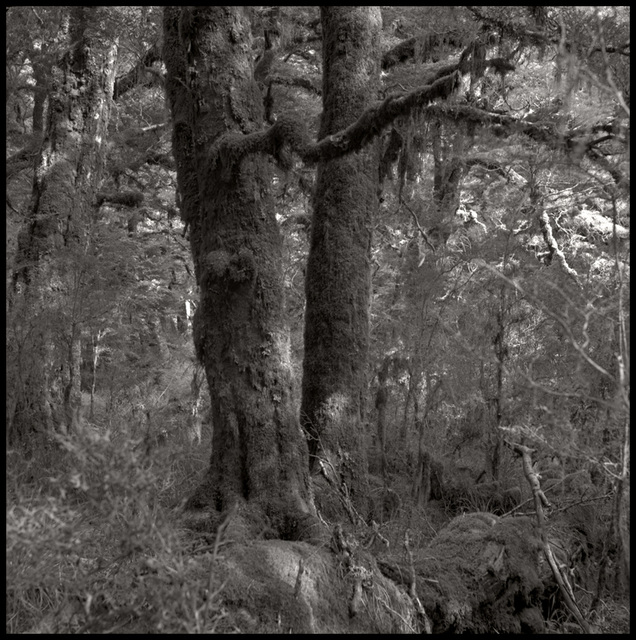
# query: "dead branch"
{"points": [[540, 501]]}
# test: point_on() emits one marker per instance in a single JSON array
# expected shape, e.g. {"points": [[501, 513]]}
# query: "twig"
{"points": [[417, 222]]}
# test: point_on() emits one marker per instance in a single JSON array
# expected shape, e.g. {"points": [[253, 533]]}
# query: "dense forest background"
{"points": [[302, 288]]}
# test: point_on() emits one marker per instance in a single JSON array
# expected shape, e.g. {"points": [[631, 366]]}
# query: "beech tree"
{"points": [[238, 262], [259, 455]]}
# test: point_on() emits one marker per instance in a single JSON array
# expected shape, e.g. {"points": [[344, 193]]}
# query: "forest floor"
{"points": [[97, 543]]}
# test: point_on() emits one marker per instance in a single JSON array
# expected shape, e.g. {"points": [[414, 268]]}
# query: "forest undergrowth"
{"points": [[95, 544]]}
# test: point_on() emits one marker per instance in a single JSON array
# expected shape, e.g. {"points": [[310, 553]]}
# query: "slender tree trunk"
{"points": [[195, 420], [66, 177], [40, 92], [338, 269], [381, 401], [73, 389], [95, 353], [259, 455], [498, 401], [426, 478]]}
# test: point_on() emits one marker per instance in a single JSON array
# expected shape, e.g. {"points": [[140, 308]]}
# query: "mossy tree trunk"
{"points": [[259, 454], [338, 269], [55, 236], [381, 406]]}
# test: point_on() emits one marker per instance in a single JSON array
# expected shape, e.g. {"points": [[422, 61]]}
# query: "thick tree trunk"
{"points": [[259, 455], [338, 269], [55, 236]]}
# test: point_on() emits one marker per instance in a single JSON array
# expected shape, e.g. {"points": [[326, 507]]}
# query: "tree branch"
{"points": [[516, 31], [289, 134], [295, 81], [553, 247], [425, 44], [544, 132], [134, 77], [562, 321], [540, 501]]}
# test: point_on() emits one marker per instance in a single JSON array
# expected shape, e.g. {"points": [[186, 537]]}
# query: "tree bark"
{"points": [[259, 455], [338, 269]]}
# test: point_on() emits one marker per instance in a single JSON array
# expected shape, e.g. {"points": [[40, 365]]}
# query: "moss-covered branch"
{"points": [[122, 198], [295, 81], [547, 32], [572, 142], [289, 134], [488, 165], [513, 29], [421, 46]]}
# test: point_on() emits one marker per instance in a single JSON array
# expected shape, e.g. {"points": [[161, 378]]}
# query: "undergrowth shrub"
{"points": [[93, 542]]}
